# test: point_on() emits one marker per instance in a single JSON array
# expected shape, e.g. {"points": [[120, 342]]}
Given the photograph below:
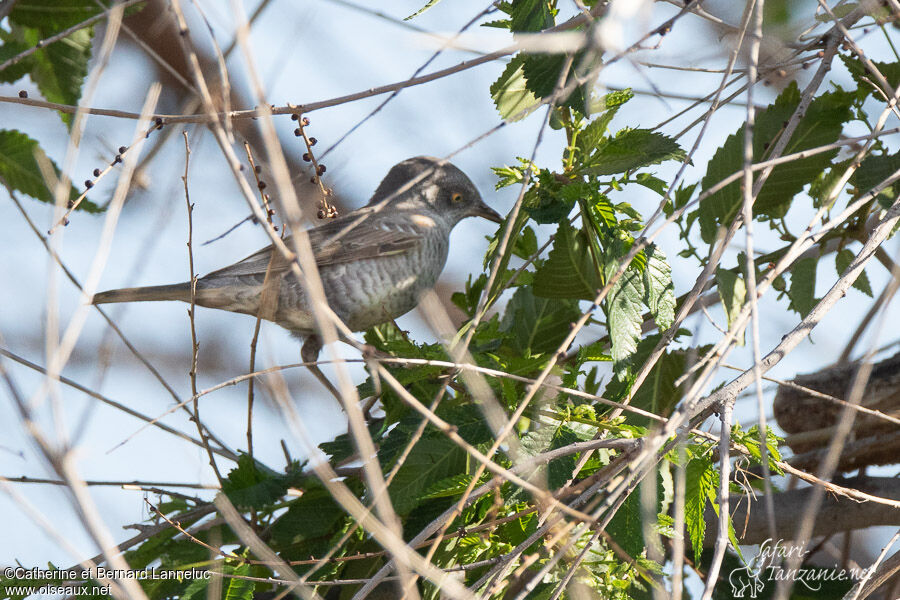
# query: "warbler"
{"points": [[374, 262]]}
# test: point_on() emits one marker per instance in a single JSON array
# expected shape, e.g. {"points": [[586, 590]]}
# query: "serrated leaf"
{"points": [[542, 73], [732, 293], [889, 70], [624, 318], [842, 260], [432, 459], [530, 15], [8, 50], [250, 485], [821, 125], [513, 99], [626, 527], [652, 182], [52, 16], [525, 245], [592, 353], [19, 168], [537, 325], [803, 286], [701, 479], [312, 515], [590, 137], [60, 68], [547, 438], [658, 393], [660, 291], [874, 170], [632, 149], [569, 271], [549, 200]]}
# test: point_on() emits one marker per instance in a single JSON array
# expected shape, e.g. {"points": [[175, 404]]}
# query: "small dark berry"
{"points": [[312, 141], [275, 227], [295, 117], [183, 32], [297, 132], [88, 183], [65, 222], [122, 149], [321, 214], [312, 179], [261, 185], [306, 157], [257, 169], [96, 172], [23, 94], [320, 170], [70, 204], [305, 121], [117, 159], [240, 167], [270, 212]]}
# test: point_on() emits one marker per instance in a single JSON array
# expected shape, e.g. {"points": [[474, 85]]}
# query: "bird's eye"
{"points": [[456, 197]]}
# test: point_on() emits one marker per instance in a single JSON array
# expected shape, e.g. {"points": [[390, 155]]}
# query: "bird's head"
{"points": [[436, 185]]}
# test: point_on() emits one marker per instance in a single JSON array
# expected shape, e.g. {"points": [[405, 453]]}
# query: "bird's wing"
{"points": [[372, 237]]}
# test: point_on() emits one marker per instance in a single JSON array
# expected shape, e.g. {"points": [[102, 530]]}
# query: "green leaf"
{"points": [[569, 271], [660, 291], [631, 149], [52, 16], [60, 68], [19, 155], [542, 73], [859, 72], [433, 459], [803, 286], [821, 125], [549, 200], [525, 246], [872, 171], [732, 293], [312, 515], [624, 318], [250, 485], [428, 5], [626, 527], [547, 438], [593, 353], [658, 393], [590, 137], [842, 260], [537, 325], [651, 182], [531, 15], [8, 50], [701, 480], [513, 99]]}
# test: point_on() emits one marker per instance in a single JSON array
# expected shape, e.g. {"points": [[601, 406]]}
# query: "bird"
{"points": [[374, 262]]}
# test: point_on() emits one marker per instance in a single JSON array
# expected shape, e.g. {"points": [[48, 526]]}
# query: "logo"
{"points": [[770, 565]]}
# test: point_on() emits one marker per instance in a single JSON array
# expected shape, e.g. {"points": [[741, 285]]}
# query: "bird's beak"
{"points": [[483, 210]]}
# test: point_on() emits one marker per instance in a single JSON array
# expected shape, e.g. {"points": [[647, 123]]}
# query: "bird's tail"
{"points": [[178, 291]]}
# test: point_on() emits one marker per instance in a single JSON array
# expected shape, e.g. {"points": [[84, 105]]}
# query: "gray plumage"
{"points": [[374, 262]]}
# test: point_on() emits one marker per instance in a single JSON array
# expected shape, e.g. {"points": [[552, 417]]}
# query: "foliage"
{"points": [[601, 293]]}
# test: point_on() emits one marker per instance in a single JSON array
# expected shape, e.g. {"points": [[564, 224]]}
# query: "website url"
{"points": [[66, 590]]}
